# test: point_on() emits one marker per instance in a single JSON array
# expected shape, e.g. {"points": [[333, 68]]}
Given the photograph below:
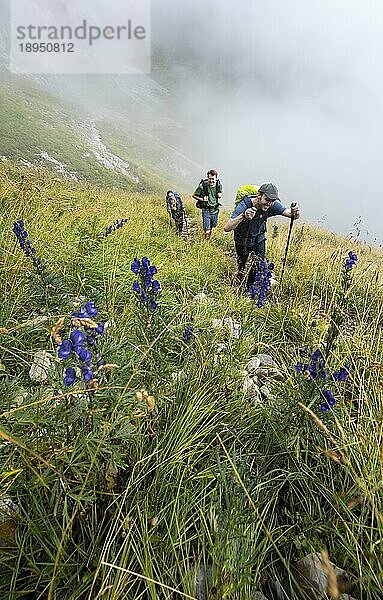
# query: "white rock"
{"points": [[8, 509], [21, 397], [109, 325], [273, 283], [251, 389], [266, 360], [216, 323], [253, 364], [178, 375], [78, 300], [234, 328], [42, 361], [201, 297], [312, 574], [266, 393]]}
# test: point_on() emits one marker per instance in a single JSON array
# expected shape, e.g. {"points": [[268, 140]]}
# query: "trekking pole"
{"points": [[185, 221], [293, 204]]}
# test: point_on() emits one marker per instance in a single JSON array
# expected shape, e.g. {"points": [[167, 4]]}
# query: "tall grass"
{"points": [[121, 501]]}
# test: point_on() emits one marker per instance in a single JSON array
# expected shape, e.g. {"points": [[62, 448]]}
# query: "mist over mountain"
{"points": [[263, 91]]}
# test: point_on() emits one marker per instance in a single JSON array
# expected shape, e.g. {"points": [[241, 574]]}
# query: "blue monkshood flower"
{"points": [[351, 261], [26, 245], [91, 309], [262, 278], [100, 328], [327, 395], [65, 349], [341, 374], [91, 340], [330, 400], [313, 323], [81, 313], [188, 333], [87, 373], [311, 371], [85, 355], [146, 263], [135, 267], [70, 376], [100, 362], [146, 288], [116, 225], [77, 337], [317, 354]]}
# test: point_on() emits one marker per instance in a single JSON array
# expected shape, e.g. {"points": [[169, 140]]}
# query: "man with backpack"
{"points": [[249, 222], [175, 208], [208, 195]]}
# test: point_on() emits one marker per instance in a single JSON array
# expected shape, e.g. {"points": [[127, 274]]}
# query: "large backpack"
{"points": [[245, 190], [204, 183], [179, 204]]}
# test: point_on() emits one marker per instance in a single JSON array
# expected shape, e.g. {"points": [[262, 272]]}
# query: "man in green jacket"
{"points": [[208, 195]]}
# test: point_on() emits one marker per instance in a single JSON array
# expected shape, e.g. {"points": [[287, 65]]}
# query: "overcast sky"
{"points": [[289, 91]]}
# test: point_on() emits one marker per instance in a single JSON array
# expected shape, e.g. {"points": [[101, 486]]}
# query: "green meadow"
{"points": [[161, 468]]}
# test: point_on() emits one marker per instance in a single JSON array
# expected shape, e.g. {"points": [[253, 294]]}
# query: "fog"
{"points": [[289, 92], [270, 90]]}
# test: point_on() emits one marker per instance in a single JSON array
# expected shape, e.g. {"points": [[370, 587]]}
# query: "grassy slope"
{"points": [[33, 121], [179, 499]]}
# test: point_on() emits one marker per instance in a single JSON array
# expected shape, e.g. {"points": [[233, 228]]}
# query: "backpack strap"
{"points": [[204, 183]]}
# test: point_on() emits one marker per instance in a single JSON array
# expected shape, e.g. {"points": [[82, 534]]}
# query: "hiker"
{"points": [[175, 208], [249, 223], [208, 195]]}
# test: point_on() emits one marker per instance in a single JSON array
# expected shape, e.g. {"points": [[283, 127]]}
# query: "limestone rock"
{"points": [[312, 576], [233, 326], [266, 360], [266, 393], [251, 389], [42, 362], [200, 297], [259, 596], [273, 282], [9, 512], [253, 364]]}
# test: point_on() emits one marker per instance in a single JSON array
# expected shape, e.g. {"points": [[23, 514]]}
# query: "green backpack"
{"points": [[245, 190]]}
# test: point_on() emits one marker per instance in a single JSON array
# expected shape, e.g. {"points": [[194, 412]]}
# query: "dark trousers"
{"points": [[178, 217], [242, 256]]}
